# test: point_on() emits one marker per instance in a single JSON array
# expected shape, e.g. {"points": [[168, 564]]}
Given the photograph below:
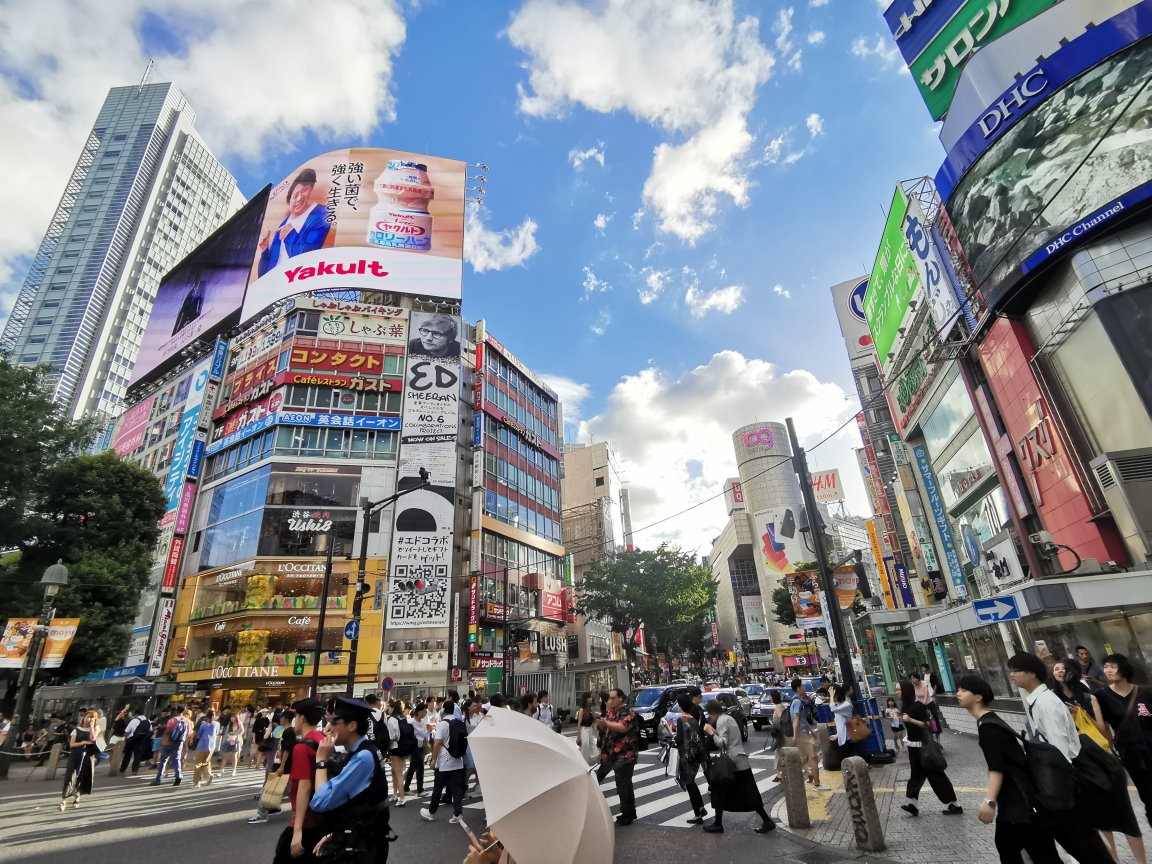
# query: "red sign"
{"points": [[478, 403], [181, 653], [485, 663], [737, 493], [553, 605], [169, 583], [457, 676], [472, 598], [386, 684], [329, 360]]}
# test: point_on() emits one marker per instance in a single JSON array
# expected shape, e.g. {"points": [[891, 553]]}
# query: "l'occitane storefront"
{"points": [[239, 630]]}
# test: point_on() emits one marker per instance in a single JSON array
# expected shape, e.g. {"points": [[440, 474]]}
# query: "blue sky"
{"points": [[801, 120]]}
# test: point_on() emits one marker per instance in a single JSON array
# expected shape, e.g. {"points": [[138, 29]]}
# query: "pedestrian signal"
{"points": [[298, 666]]}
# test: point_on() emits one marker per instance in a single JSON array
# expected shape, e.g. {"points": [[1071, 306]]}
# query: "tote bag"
{"points": [[273, 795]]}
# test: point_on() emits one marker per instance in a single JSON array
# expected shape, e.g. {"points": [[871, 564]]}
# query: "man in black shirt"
{"points": [[1009, 788]]}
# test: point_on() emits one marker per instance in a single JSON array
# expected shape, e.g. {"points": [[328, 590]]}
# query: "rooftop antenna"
{"points": [[148, 70]]}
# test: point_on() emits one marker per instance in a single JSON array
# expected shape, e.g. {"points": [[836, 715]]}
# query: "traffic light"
{"points": [[298, 665], [795, 637]]}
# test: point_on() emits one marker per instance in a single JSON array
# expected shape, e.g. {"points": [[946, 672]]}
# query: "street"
{"points": [[141, 822]]}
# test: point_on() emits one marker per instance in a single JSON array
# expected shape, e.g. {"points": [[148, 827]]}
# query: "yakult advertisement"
{"points": [[381, 220]]}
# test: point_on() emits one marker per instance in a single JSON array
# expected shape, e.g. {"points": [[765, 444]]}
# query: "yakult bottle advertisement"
{"points": [[380, 220]]}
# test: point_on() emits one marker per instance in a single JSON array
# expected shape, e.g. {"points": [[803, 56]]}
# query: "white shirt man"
{"points": [[1049, 717], [544, 711]]}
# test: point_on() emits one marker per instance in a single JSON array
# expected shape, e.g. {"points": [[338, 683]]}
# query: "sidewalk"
{"points": [[950, 839]]}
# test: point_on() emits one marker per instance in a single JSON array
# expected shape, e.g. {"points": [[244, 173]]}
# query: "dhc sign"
{"points": [[1032, 86]]}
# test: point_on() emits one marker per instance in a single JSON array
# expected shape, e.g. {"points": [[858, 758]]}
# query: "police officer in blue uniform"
{"points": [[352, 793]]}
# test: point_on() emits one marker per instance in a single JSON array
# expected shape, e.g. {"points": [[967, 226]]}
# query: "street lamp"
{"points": [[369, 508], [54, 578]]}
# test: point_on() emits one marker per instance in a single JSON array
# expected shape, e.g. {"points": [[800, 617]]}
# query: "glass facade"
{"points": [[949, 416], [521, 483]]}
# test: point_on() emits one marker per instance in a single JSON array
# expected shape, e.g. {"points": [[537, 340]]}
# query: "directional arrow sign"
{"points": [[352, 629], [996, 609]]}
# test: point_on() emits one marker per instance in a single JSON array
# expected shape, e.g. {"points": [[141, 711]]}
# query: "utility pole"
{"points": [[832, 615], [358, 599], [330, 542]]}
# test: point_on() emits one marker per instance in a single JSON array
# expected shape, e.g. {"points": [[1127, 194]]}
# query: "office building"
{"points": [[144, 192]]}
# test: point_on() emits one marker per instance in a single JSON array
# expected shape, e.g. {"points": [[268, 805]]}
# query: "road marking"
{"points": [[682, 821]]}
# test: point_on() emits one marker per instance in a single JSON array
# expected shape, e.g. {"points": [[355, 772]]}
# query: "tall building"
{"points": [[144, 192], [518, 593], [588, 491]]}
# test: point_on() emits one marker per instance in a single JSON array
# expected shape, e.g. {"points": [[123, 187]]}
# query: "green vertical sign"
{"points": [[892, 283], [937, 69]]}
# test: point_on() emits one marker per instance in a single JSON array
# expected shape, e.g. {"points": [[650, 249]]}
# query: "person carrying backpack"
{"points": [[137, 743], [448, 749], [803, 729], [171, 745], [1010, 794]]}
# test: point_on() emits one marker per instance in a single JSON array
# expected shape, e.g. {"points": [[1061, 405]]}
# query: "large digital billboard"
{"points": [[362, 218], [202, 295], [1075, 161], [938, 38]]}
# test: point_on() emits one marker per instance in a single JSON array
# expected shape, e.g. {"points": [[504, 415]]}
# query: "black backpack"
{"points": [[378, 734], [406, 744], [457, 739], [143, 730], [809, 711]]}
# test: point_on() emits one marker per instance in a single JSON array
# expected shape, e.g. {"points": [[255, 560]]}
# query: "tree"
{"points": [[98, 514], [34, 436], [782, 609], [663, 589]]}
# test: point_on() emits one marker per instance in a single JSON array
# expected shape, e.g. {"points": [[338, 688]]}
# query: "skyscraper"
{"points": [[145, 191]]}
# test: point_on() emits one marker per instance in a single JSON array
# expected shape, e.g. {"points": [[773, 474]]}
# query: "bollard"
{"points": [[116, 756], [862, 805], [790, 768], [827, 747], [53, 759]]}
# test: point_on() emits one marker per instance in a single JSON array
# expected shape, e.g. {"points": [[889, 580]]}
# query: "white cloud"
{"points": [[642, 420], [783, 29], [782, 292], [883, 49], [485, 249], [60, 57], [686, 66], [579, 157], [817, 3], [815, 124], [656, 280], [636, 217], [726, 300], [601, 221], [816, 37], [794, 157], [601, 323], [572, 396], [592, 285], [772, 151]]}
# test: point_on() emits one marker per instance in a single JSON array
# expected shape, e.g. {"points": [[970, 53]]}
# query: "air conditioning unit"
{"points": [[1125, 477]]}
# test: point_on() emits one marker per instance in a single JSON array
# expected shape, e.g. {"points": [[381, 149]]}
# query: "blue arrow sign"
{"points": [[995, 609], [352, 630]]}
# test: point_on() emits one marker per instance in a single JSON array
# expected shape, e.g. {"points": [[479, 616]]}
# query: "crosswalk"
{"points": [[659, 800], [31, 822]]}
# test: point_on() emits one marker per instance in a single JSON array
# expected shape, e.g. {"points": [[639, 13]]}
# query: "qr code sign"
{"points": [[418, 596]]}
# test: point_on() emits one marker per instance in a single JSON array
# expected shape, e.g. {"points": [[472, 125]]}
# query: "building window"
{"points": [[599, 481]]}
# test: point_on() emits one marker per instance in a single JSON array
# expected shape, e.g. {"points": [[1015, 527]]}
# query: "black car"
{"points": [[651, 704], [736, 705], [763, 709]]}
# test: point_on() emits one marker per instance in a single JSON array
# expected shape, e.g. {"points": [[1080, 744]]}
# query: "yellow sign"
{"points": [[794, 650], [17, 639], [883, 571]]}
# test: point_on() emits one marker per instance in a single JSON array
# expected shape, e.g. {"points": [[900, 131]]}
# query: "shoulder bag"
{"points": [[1055, 776], [721, 770], [857, 729], [932, 754]]}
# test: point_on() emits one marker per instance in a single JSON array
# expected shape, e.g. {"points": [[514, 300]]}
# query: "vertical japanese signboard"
{"points": [[421, 560], [892, 283], [932, 491]]}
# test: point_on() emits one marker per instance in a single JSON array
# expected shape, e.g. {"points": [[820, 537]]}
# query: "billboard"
{"points": [[1077, 160], [381, 220], [17, 639], [892, 283], [848, 298], [930, 270], [754, 623], [779, 551], [938, 38], [422, 531], [133, 424], [186, 436], [826, 486], [201, 296], [932, 492]]}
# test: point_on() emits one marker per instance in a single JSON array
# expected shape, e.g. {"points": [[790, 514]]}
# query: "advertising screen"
{"points": [[380, 220], [421, 559], [937, 39], [202, 295], [1075, 161], [892, 283]]}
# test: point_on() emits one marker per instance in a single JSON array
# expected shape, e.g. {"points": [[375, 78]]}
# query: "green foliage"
{"points": [[33, 438], [801, 566], [98, 514], [665, 589], [782, 609]]}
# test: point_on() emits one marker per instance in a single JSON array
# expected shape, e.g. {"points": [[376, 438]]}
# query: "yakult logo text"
{"points": [[759, 436], [324, 269]]}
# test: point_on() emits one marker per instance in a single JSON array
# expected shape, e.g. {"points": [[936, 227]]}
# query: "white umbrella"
{"points": [[539, 798]]}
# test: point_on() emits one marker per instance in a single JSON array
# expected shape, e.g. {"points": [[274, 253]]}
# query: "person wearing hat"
{"points": [[299, 839], [304, 227], [356, 799]]}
